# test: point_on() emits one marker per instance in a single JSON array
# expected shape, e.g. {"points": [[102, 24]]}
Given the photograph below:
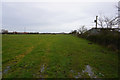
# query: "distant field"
{"points": [[56, 56]]}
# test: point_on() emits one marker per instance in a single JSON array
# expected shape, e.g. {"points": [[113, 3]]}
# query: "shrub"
{"points": [[109, 39]]}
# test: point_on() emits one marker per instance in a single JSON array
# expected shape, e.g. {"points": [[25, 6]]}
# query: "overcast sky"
{"points": [[53, 16]]}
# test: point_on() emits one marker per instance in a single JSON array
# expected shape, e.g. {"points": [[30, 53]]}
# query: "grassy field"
{"points": [[56, 56]]}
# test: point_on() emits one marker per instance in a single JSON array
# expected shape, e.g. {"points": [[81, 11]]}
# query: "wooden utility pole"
{"points": [[96, 21]]}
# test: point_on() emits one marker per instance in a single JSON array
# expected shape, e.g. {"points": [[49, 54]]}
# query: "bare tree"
{"points": [[118, 7], [107, 22], [101, 22], [113, 22], [82, 29], [118, 15], [110, 22]]}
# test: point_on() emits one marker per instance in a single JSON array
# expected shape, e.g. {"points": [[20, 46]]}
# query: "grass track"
{"points": [[54, 56]]}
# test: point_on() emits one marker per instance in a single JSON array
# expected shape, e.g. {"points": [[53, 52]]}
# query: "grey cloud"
{"points": [[51, 17]]}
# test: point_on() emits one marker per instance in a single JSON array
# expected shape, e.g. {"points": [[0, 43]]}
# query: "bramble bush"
{"points": [[110, 39]]}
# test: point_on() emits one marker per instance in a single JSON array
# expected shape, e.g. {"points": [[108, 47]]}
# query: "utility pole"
{"points": [[96, 21]]}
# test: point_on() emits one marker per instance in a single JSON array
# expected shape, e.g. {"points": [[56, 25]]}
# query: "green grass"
{"points": [[54, 56]]}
